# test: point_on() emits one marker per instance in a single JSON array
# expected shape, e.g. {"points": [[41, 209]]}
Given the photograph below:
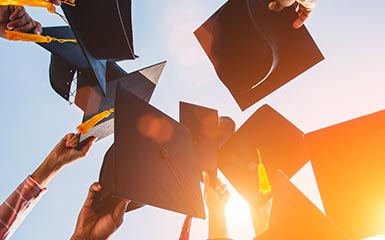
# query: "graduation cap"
{"points": [[281, 147], [254, 50], [204, 126], [209, 132], [154, 159], [103, 28], [104, 33], [348, 163], [66, 60], [90, 99], [293, 216]]}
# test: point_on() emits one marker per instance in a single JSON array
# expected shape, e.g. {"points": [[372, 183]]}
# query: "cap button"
{"points": [[164, 153]]}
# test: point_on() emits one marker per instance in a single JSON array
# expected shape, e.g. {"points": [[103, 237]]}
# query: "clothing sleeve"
{"points": [[17, 206]]}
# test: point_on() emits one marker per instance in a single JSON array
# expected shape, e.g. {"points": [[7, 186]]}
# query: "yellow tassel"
{"points": [[30, 3], [72, 4], [264, 185], [29, 37], [35, 3], [90, 123]]}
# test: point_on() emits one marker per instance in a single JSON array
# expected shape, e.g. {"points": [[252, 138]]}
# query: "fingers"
{"points": [[38, 28], [276, 6], [20, 21], [92, 193], [71, 140], [56, 2], [17, 13], [206, 181], [303, 15], [119, 211], [86, 147], [279, 5]]}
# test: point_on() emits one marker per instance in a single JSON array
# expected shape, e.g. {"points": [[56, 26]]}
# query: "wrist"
{"points": [[217, 224], [46, 171]]}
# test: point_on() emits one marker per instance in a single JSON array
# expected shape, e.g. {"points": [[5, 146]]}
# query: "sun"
{"points": [[237, 209]]}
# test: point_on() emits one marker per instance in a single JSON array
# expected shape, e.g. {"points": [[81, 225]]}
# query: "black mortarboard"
{"points": [[142, 83], [281, 145], [78, 59], [293, 216], [104, 32], [66, 60], [348, 163], [255, 51], [103, 28], [106, 199], [204, 126], [154, 159]]}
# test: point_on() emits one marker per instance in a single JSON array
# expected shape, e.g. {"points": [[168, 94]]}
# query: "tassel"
{"points": [[29, 37], [72, 4], [264, 185], [90, 123], [185, 232], [30, 3], [34, 3]]}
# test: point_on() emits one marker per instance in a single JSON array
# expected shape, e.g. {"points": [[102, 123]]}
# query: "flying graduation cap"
{"points": [[348, 163], [209, 132], [141, 83], [104, 33], [153, 159], [204, 126], [293, 216], [280, 145], [254, 50]]}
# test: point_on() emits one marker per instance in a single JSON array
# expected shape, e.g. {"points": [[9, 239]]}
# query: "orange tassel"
{"points": [[34, 3], [90, 123], [30, 3], [29, 37], [264, 185]]}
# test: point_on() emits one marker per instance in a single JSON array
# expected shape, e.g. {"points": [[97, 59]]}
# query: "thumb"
{"points": [[119, 211], [92, 194]]}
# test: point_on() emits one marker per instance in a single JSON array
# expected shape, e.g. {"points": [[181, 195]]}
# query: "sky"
{"points": [[349, 83]]}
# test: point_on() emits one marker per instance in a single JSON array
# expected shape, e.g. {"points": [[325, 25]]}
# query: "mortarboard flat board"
{"points": [[106, 200], [104, 32], [282, 147], [294, 216], [204, 126], [142, 83], [154, 158], [348, 163], [103, 28], [255, 51], [68, 58]]}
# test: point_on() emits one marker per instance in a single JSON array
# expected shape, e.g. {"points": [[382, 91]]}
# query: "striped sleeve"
{"points": [[18, 205]]}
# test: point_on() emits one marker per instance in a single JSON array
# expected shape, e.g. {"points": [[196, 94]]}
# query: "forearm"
{"points": [[217, 224], [46, 171], [17, 206]]}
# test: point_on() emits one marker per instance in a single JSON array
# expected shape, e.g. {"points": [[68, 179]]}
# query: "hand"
{"points": [[304, 8], [17, 19], [65, 152], [94, 226], [216, 199]]}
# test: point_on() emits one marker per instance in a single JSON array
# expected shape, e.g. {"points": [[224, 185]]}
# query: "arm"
{"points": [[21, 201], [17, 206], [216, 198], [304, 8]]}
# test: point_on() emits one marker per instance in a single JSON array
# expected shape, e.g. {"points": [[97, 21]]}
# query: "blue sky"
{"points": [[347, 84]]}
